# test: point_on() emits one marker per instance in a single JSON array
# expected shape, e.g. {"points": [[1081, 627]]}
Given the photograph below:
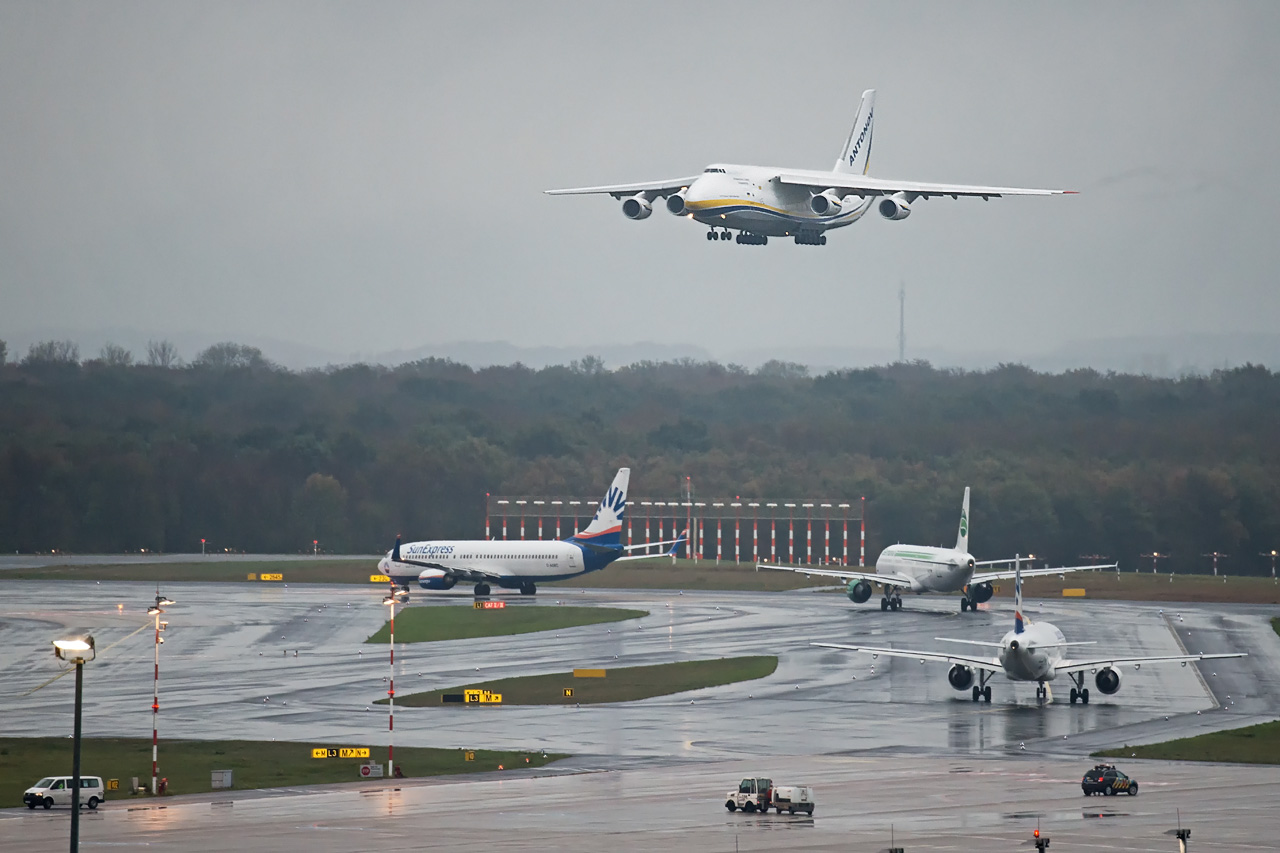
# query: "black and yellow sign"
{"points": [[113, 784], [340, 752], [379, 579], [483, 697], [270, 577], [253, 576], [568, 693], [469, 755], [489, 605]]}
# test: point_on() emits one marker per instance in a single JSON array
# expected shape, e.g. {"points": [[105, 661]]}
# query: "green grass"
{"points": [[1275, 624], [294, 571], [1258, 744], [625, 684], [257, 764], [464, 622]]}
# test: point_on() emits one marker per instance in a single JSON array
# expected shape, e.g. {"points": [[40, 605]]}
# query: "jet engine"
{"points": [[858, 591], [1108, 680], [675, 204], [960, 676], [435, 579], [982, 592], [894, 207], [637, 207], [826, 203]]}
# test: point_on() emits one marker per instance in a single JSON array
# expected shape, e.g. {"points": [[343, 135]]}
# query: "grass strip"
{"points": [[624, 684], [256, 764], [1258, 744], [463, 622], [356, 570]]}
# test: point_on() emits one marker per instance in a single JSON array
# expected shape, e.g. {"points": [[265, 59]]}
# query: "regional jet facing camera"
{"points": [[921, 569], [440, 564], [1032, 651], [763, 201]]}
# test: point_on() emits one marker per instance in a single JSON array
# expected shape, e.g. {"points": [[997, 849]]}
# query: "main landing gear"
{"points": [[713, 234], [528, 588], [892, 600], [982, 690], [749, 239], [810, 238], [1079, 691], [482, 589]]}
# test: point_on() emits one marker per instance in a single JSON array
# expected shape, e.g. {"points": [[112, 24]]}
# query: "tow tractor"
{"points": [[759, 795]]}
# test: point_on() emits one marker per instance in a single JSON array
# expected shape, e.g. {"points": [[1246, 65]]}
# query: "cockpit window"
{"points": [[713, 169]]}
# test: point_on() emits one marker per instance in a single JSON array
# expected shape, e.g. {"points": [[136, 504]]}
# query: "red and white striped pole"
{"points": [[718, 523], [391, 693], [844, 552], [155, 712], [486, 515], [862, 554]]}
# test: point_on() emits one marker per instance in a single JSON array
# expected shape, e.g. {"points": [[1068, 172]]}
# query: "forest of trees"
{"points": [[114, 453]]}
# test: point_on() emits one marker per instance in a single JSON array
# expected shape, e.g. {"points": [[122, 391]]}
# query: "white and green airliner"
{"points": [[924, 569]]}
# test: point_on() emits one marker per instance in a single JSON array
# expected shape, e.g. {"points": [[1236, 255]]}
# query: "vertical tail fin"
{"points": [[1019, 624], [855, 157], [606, 527], [962, 538]]}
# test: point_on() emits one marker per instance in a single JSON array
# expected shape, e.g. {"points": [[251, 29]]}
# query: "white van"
{"points": [[56, 791]]}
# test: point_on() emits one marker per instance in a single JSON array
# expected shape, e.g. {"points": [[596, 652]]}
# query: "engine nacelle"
{"points": [[435, 579], [637, 207], [982, 593], [960, 677], [1107, 680], [826, 203], [675, 204], [894, 207], [858, 591]]}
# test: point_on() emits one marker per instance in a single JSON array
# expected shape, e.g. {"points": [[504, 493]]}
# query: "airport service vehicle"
{"points": [[439, 564], [56, 791], [1032, 651], [758, 794], [923, 569], [760, 202], [1106, 779]]}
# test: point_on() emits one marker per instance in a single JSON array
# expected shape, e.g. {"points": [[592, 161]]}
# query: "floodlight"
{"points": [[75, 648]]}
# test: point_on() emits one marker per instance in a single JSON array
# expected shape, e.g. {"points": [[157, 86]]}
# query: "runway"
{"points": [[824, 716]]}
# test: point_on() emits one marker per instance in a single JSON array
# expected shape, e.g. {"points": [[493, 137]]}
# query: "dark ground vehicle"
{"points": [[1106, 779]]}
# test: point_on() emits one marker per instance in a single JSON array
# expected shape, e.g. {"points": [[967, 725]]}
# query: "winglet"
{"points": [[683, 538], [395, 552]]}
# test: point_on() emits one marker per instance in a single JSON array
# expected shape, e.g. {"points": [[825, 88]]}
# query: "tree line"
{"points": [[114, 453]]}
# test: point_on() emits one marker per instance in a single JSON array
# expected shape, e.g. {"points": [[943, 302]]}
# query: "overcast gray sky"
{"points": [[369, 176]]}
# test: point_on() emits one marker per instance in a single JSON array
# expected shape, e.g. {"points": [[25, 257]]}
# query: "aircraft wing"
{"points": [[651, 189], [1078, 665], [865, 185], [888, 578], [989, 664], [1007, 574]]}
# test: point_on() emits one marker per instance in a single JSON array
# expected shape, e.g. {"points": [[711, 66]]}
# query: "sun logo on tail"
{"points": [[615, 501]]}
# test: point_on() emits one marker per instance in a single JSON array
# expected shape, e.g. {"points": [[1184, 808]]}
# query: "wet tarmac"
{"points": [[881, 738]]}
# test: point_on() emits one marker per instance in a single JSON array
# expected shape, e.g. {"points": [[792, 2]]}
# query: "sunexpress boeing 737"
{"points": [[440, 564], [922, 568], [760, 202], [1032, 651]]}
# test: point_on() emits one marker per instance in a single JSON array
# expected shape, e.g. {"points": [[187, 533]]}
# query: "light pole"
{"points": [[155, 610], [1155, 557], [1215, 555], [76, 650], [390, 601], [1272, 555]]}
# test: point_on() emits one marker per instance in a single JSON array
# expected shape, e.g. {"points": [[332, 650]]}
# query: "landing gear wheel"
{"points": [[977, 693], [739, 239], [896, 604], [529, 588], [986, 694], [884, 604], [711, 235], [482, 589], [822, 241], [1075, 694], [1084, 696], [726, 234], [764, 241], [964, 604]]}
